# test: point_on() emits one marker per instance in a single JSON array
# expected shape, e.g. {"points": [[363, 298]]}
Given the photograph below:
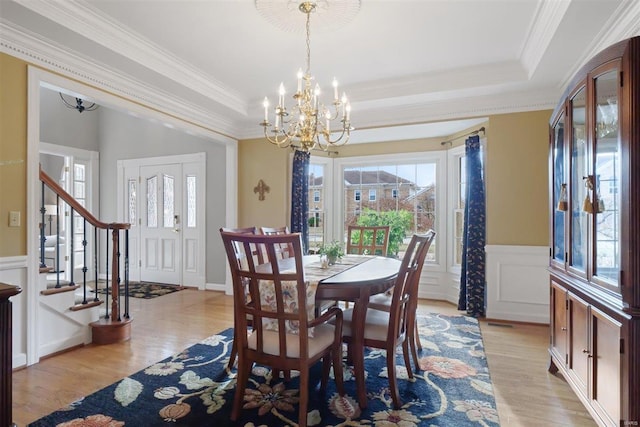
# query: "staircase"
{"points": [[71, 311]]}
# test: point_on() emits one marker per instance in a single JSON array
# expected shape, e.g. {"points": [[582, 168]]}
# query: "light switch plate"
{"points": [[14, 219]]}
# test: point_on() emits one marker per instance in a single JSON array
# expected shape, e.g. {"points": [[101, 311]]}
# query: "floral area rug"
{"points": [[146, 290], [193, 388]]}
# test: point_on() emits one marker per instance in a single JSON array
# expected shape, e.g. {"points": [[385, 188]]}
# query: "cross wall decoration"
{"points": [[261, 188]]}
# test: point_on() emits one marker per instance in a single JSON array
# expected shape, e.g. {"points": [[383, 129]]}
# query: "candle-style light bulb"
{"points": [[300, 80], [348, 109], [335, 89], [344, 105], [327, 115], [316, 95], [265, 104], [281, 92]]}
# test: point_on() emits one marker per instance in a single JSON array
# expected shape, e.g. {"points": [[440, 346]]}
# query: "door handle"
{"points": [[176, 230]]}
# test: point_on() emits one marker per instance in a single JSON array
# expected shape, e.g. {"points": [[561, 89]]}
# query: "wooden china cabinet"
{"points": [[595, 235]]}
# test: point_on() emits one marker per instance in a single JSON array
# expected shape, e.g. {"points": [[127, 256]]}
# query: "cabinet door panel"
{"points": [[559, 321], [559, 189], [579, 171], [607, 179], [606, 365], [579, 342]]}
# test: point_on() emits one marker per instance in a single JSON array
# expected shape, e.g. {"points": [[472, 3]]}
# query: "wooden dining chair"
{"points": [[388, 329], [258, 257], [285, 334], [369, 240], [383, 302], [286, 250]]}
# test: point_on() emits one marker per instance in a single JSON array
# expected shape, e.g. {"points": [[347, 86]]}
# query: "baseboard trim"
{"points": [[215, 287]]}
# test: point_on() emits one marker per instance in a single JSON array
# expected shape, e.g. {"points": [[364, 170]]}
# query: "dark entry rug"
{"points": [[146, 290], [193, 388]]}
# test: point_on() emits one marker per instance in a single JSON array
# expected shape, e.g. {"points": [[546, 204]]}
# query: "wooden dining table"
{"points": [[363, 276]]}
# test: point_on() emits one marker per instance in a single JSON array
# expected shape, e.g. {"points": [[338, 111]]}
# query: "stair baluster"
{"points": [[72, 266], [42, 238]]}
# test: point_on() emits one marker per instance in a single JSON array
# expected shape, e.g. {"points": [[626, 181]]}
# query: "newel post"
{"points": [[6, 354], [115, 276]]}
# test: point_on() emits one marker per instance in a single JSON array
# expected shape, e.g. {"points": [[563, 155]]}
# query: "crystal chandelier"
{"points": [[308, 124]]}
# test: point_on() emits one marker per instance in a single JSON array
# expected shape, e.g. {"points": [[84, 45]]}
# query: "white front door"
{"points": [[164, 201], [160, 238]]}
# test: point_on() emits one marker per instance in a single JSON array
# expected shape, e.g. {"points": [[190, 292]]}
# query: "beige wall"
{"points": [[517, 179], [13, 154], [259, 160]]}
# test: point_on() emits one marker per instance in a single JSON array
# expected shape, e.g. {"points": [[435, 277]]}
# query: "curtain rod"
{"points": [[329, 152], [473, 132]]}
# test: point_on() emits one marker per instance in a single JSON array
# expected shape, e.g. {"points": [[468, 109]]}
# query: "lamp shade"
{"points": [[51, 209]]}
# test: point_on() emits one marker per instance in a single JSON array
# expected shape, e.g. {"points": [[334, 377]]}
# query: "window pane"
{"points": [[462, 179], [191, 201], [152, 202], [167, 200], [78, 172], [316, 206], [78, 190], [400, 195]]}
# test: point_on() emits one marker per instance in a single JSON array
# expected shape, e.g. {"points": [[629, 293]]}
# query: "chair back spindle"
{"points": [[368, 240]]}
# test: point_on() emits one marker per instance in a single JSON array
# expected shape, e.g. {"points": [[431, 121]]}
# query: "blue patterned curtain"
{"points": [[300, 197], [472, 278]]}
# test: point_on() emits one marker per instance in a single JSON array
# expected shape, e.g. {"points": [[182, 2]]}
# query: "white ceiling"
{"points": [[401, 62]]}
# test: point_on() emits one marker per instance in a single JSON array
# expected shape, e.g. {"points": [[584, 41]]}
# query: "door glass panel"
{"points": [[191, 201], [607, 178], [559, 191], [167, 199], [579, 170], [132, 198], [152, 202]]}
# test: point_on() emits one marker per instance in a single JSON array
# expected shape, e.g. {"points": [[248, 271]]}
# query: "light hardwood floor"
{"points": [[526, 394]]}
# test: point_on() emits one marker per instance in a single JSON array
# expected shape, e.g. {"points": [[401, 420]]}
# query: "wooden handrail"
{"points": [[114, 226], [78, 207]]}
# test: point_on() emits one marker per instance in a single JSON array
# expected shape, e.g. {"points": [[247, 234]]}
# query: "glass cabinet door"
{"points": [[560, 201], [578, 207], [607, 179]]}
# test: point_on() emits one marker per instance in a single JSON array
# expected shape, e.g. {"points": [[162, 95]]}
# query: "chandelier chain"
{"points": [[308, 42]]}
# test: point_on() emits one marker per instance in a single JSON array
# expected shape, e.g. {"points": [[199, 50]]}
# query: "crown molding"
{"points": [[467, 78], [623, 24], [102, 29], [549, 15], [422, 111], [18, 42]]}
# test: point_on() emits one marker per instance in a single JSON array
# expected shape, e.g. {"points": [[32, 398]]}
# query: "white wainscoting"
{"points": [[13, 271], [518, 283]]}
